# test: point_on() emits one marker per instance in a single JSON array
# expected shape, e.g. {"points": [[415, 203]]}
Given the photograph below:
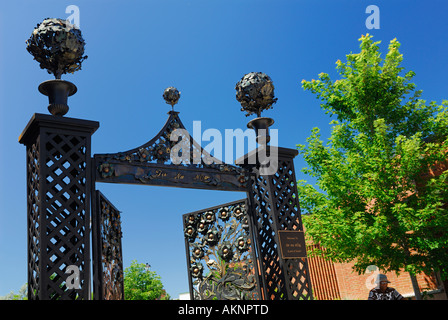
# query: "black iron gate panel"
{"points": [[107, 252], [221, 255]]}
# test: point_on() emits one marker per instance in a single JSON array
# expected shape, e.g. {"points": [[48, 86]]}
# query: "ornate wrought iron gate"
{"points": [[107, 253], [221, 255], [257, 245], [61, 177]]}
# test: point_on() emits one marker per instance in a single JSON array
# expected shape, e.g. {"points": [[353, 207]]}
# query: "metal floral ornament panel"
{"points": [[220, 254], [108, 258]]}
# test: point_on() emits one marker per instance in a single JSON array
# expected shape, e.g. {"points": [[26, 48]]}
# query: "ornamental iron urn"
{"points": [[255, 92], [58, 46]]}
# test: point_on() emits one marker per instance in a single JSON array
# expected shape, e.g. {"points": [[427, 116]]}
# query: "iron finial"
{"points": [[255, 92], [58, 46], [171, 96]]}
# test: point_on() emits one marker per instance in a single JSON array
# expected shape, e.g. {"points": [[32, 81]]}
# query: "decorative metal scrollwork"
{"points": [[167, 160], [108, 270], [220, 254], [158, 150]]}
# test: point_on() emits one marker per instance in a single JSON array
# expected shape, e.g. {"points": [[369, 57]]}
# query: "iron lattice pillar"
{"points": [[58, 205], [278, 225]]}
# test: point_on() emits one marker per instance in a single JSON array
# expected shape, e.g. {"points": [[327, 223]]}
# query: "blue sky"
{"points": [[138, 48]]}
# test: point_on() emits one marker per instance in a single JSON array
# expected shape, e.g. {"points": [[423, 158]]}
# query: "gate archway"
{"points": [[150, 164], [59, 167], [61, 177]]}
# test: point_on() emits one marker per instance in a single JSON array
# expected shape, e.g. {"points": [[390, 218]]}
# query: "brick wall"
{"points": [[334, 281], [353, 286], [323, 277]]}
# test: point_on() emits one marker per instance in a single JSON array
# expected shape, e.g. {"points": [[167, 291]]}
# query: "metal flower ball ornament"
{"points": [[255, 92], [171, 96], [58, 46]]}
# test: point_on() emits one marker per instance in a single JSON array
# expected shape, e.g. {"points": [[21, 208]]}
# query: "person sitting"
{"points": [[382, 291]]}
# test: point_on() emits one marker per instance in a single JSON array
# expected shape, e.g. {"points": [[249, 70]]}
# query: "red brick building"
{"points": [[338, 281]]}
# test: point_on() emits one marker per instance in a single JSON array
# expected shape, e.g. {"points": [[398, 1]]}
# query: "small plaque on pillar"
{"points": [[292, 244]]}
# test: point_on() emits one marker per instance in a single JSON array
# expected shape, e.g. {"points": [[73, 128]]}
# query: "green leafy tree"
{"points": [[21, 295], [381, 190], [142, 284]]}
